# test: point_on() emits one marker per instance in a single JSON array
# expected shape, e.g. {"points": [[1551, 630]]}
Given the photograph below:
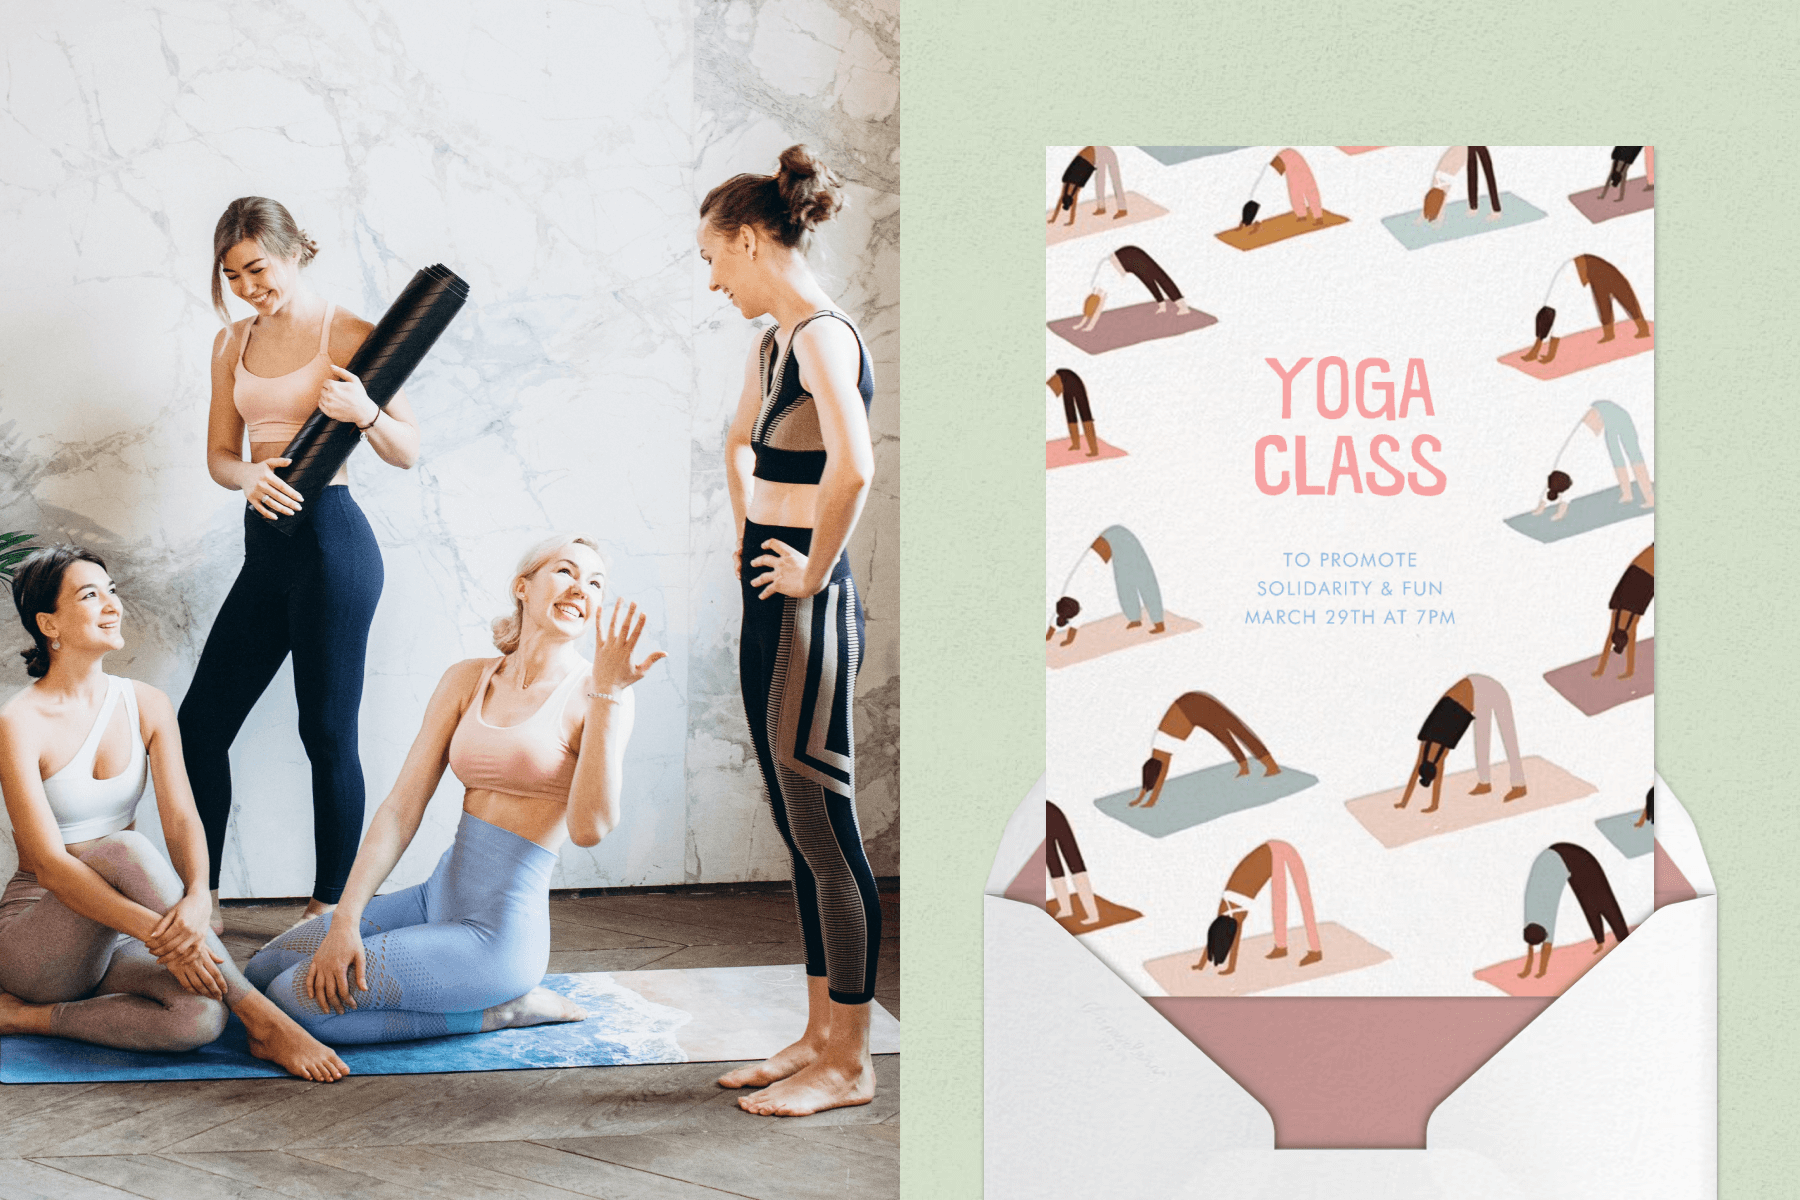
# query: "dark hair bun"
{"points": [[1559, 483], [37, 662], [1067, 609], [811, 190]]}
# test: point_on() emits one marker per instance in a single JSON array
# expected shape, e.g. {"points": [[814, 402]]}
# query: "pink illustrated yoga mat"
{"points": [[1108, 635], [1138, 209], [1638, 198], [1576, 683], [1343, 951], [1121, 327], [1567, 964], [1580, 351], [1360, 149], [1547, 785], [1057, 453]]}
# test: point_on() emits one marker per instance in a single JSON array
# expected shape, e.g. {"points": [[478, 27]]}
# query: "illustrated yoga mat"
{"points": [[1108, 634], [1278, 228], [1631, 839], [1121, 327], [1205, 795], [1637, 199], [1546, 786], [1138, 208], [1596, 510], [1576, 682], [1057, 453], [1343, 950], [1567, 964], [1170, 156], [1580, 351], [1360, 149], [712, 1014], [1110, 914], [391, 352], [1413, 231]]}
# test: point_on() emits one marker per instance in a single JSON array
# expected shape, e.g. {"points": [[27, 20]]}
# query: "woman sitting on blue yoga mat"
{"points": [[101, 939], [1566, 863], [537, 737], [1630, 600], [1612, 423]]}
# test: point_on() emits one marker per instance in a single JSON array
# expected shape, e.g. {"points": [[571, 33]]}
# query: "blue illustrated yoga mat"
{"points": [[1411, 229], [1623, 831], [1204, 795], [713, 1014], [1596, 510], [1170, 156]]}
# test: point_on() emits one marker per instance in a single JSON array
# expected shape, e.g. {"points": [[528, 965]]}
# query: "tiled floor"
{"points": [[625, 1133]]}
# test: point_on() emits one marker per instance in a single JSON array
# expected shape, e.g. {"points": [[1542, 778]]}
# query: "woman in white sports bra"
{"points": [[100, 939], [313, 593]]}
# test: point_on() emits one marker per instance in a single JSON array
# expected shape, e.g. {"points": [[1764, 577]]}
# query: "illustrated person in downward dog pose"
{"points": [[1270, 864], [1191, 711], [1474, 699], [1630, 600], [537, 738], [1622, 158], [1067, 385], [312, 594], [1133, 576], [1092, 162], [1455, 161], [1612, 423], [1649, 813], [799, 463], [1066, 867], [1607, 283], [1566, 863], [101, 939], [1129, 260], [1302, 190]]}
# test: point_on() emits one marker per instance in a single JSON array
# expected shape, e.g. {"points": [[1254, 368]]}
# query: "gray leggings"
{"points": [[107, 988]]}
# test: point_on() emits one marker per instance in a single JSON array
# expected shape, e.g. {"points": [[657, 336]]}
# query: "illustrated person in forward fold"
{"points": [[1630, 600], [1133, 576], [1474, 699], [1607, 283], [1269, 864], [1649, 813], [1566, 863], [1622, 158], [1130, 260], [1614, 424], [102, 939], [1454, 161], [1191, 711], [1066, 867], [1069, 386], [1302, 189], [1092, 161]]}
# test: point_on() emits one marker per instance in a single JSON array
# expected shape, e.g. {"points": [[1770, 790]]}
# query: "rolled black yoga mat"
{"points": [[397, 345]]}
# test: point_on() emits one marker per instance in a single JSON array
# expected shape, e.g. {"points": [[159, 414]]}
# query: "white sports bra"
{"points": [[86, 807]]}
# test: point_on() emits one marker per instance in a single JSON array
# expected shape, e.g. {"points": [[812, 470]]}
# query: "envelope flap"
{"points": [[1024, 833], [1677, 838]]}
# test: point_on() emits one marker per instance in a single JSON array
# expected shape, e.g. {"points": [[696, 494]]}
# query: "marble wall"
{"points": [[553, 156]]}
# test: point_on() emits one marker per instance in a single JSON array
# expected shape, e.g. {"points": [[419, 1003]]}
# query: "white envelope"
{"points": [[1611, 1091]]}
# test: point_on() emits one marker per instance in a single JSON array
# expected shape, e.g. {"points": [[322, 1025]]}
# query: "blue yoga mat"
{"points": [[1632, 842], [1596, 510], [1411, 229], [1170, 156], [1204, 795], [697, 1014]]}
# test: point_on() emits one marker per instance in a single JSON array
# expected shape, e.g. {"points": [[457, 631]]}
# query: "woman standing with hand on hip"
{"points": [[312, 593], [799, 462]]}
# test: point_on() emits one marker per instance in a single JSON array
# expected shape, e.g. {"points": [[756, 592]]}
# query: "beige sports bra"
{"points": [[275, 408]]}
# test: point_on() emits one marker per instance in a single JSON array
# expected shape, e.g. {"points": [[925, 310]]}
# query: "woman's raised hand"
{"points": [[328, 974], [613, 648], [342, 398]]}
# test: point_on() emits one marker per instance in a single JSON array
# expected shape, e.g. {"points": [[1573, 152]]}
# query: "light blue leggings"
{"points": [[1133, 576], [1620, 433], [476, 934]]}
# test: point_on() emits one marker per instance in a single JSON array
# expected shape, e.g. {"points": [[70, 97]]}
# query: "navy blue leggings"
{"points": [[313, 594]]}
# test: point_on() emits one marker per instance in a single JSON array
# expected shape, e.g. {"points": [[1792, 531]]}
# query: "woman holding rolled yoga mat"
{"points": [[1199, 710], [1473, 700], [798, 466], [537, 738], [101, 939], [1630, 600], [1565, 863], [1269, 865], [1612, 423], [312, 593]]}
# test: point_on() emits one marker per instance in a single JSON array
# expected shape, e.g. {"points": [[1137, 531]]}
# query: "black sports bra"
{"points": [[789, 446]]}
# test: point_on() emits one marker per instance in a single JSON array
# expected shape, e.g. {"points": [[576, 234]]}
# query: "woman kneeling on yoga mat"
{"points": [[1472, 700], [537, 737], [1631, 599], [1566, 863], [1269, 864], [101, 940]]}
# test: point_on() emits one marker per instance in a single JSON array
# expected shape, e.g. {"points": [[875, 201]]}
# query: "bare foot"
{"points": [[1093, 919], [1481, 789], [1514, 793], [1605, 337], [812, 1089], [1150, 803], [1133, 624], [1158, 627], [297, 1052], [1311, 957], [1101, 211], [539, 1006], [1277, 952], [1629, 674], [1062, 910], [1625, 496], [779, 1065], [1243, 769], [1118, 214], [16, 1016]]}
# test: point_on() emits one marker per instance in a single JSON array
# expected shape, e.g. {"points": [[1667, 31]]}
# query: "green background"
{"points": [[986, 86]]}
